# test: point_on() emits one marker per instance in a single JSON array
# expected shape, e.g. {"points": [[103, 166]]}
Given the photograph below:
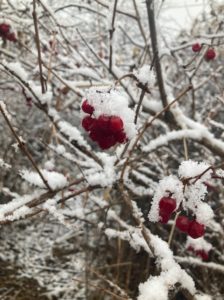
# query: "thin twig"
{"points": [[111, 32], [23, 148], [37, 39]]}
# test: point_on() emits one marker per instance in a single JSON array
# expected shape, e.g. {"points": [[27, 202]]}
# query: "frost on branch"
{"points": [[157, 287], [55, 180], [145, 75], [104, 176]]}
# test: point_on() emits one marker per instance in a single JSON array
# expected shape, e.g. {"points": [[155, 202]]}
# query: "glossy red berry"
{"points": [[196, 47], [203, 254], [116, 124], [87, 108], [167, 205], [87, 123], [210, 54], [182, 223], [196, 229]]}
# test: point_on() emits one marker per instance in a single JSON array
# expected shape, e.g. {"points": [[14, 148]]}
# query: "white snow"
{"points": [[145, 75], [55, 180], [198, 244]]}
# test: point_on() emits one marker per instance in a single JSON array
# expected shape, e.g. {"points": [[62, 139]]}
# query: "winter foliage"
{"points": [[111, 152]]}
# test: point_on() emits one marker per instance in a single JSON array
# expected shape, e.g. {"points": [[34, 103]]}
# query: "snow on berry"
{"points": [[168, 185], [199, 247], [196, 47], [190, 191], [109, 119]]}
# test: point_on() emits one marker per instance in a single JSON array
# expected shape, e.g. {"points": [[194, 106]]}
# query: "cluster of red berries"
{"points": [[6, 32], [199, 252], [191, 227], [209, 54], [105, 130], [167, 206]]}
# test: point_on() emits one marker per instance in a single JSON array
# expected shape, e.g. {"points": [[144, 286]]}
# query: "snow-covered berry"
{"points": [[112, 122]]}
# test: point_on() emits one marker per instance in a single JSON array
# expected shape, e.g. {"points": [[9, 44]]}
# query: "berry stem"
{"points": [[173, 228]]}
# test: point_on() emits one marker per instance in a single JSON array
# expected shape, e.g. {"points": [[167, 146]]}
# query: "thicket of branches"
{"points": [[80, 222]]}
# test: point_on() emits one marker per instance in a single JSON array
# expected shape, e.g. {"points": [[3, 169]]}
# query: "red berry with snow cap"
{"points": [[196, 229], [87, 108], [196, 47], [167, 205], [182, 223], [210, 54]]}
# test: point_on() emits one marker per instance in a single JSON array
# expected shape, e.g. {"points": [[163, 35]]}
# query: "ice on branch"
{"points": [[145, 75], [55, 180]]}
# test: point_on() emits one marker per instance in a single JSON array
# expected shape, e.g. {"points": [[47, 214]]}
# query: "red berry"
{"points": [[11, 37], [4, 29], [183, 223], [167, 205], [87, 123], [107, 142], [210, 54], [94, 135], [196, 229], [87, 108], [103, 123], [190, 248], [203, 254], [116, 124], [121, 137], [164, 218], [196, 47]]}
